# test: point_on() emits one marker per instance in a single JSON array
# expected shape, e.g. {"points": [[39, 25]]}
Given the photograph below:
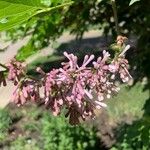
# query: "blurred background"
{"points": [[86, 27]]}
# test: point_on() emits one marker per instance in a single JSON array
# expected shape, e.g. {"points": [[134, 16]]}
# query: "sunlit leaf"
{"points": [[9, 10], [33, 3], [14, 12], [13, 21]]}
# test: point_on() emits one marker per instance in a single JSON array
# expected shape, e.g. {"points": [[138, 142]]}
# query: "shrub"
{"points": [[59, 135], [135, 136], [5, 122]]}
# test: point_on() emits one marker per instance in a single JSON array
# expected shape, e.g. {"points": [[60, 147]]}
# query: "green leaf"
{"points": [[33, 3], [26, 51], [133, 1], [15, 12], [8, 23], [8, 10]]}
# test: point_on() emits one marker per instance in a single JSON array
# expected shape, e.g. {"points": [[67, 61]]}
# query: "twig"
{"points": [[115, 16]]}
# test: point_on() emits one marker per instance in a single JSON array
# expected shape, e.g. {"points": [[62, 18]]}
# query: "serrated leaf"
{"points": [[133, 1]]}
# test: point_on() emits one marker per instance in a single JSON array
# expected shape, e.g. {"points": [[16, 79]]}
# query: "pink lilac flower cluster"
{"points": [[81, 89], [24, 91], [16, 71], [78, 89]]}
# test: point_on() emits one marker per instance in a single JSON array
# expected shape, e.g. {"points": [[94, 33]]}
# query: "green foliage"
{"points": [[135, 136], [58, 135], [5, 122], [22, 143], [45, 30], [14, 12], [38, 129], [130, 109]]}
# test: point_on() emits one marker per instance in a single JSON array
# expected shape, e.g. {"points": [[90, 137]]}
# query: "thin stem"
{"points": [[115, 16], [53, 8]]}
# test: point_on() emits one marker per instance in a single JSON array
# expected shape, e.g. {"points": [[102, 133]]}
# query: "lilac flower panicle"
{"points": [[79, 89]]}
